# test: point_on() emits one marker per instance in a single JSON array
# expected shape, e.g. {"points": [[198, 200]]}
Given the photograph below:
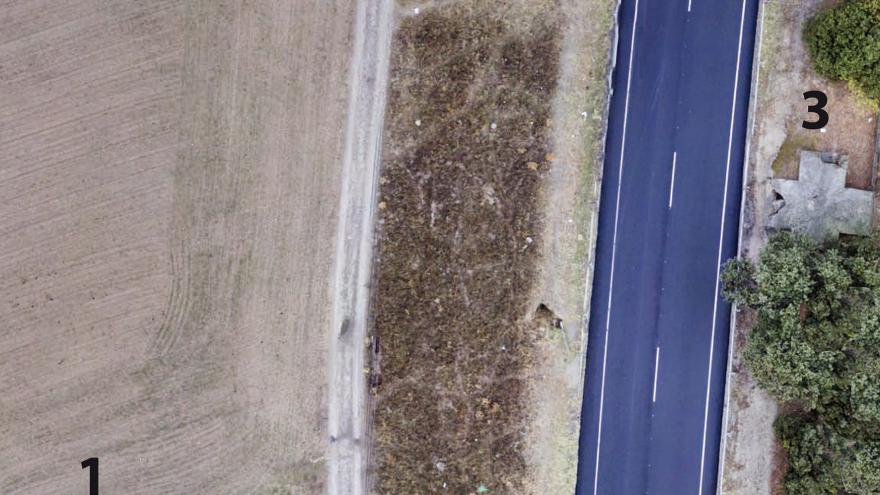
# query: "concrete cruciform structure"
{"points": [[818, 203]]}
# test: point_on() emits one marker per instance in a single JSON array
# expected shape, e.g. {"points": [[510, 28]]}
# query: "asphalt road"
{"points": [[668, 219]]}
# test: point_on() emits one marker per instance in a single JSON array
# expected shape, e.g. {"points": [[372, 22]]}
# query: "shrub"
{"points": [[844, 44], [816, 347]]}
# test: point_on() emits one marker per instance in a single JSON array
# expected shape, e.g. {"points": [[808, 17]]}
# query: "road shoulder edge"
{"points": [[732, 348]]}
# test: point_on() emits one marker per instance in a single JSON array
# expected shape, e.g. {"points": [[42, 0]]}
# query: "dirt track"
{"points": [[169, 188]]}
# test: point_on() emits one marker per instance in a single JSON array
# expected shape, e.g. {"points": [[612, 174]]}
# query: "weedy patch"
{"points": [[787, 162], [466, 148]]}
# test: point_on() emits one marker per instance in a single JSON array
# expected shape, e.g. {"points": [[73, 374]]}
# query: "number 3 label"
{"points": [[821, 101]]}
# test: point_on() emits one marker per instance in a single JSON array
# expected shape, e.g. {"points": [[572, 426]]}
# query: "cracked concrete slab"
{"points": [[818, 203]]}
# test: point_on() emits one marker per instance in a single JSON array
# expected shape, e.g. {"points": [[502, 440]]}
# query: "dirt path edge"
{"points": [[347, 454], [571, 196]]}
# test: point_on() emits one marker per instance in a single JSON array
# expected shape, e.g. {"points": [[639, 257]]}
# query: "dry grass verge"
{"points": [[467, 146]]}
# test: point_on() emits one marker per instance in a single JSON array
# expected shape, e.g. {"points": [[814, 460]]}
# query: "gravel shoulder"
{"points": [[565, 272]]}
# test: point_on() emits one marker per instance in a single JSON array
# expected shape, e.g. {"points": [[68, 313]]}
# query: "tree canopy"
{"points": [[815, 346], [844, 43]]}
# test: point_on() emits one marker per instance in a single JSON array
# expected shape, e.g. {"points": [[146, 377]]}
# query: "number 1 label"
{"points": [[92, 464]]}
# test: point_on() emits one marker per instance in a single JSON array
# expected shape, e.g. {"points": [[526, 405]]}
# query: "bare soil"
{"points": [[753, 462], [786, 75], [169, 186], [488, 189], [570, 198]]}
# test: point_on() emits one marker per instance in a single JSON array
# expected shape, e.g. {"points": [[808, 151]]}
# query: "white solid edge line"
{"points": [[632, 45], [720, 246], [656, 369], [732, 348], [689, 5], [672, 180]]}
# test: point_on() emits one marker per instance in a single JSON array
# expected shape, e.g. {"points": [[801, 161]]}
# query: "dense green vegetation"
{"points": [[815, 347], [844, 43]]}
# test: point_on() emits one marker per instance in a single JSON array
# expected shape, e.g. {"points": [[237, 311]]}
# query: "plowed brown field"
{"points": [[169, 176]]}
